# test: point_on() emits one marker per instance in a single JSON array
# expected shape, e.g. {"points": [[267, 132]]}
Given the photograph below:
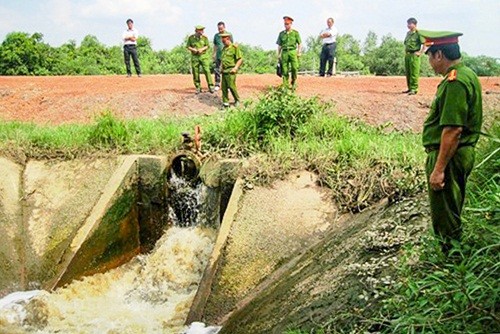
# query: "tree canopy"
{"points": [[25, 54]]}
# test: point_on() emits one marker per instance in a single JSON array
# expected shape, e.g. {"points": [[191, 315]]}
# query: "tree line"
{"points": [[25, 54]]}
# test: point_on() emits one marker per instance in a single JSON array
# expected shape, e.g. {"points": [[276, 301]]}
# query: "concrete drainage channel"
{"points": [[62, 220]]}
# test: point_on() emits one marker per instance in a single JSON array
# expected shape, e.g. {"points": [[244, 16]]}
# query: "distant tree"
{"points": [[387, 59], [349, 54], [483, 65], [310, 57], [22, 54], [257, 60], [370, 43]]}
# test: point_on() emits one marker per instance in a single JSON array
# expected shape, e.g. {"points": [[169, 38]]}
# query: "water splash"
{"points": [[151, 294], [185, 201]]}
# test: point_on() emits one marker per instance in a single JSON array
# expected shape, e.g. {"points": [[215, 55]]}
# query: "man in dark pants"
{"points": [[218, 46], [450, 133], [130, 48], [329, 39]]}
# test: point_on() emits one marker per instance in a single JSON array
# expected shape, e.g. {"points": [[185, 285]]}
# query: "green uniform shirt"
{"points": [[230, 55], [289, 41], [413, 41], [458, 102], [198, 42], [218, 43]]}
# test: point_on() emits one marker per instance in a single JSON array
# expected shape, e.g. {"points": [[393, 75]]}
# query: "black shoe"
{"points": [[406, 91], [211, 90]]}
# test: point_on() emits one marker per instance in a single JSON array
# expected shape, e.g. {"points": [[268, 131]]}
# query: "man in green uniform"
{"points": [[218, 46], [413, 50], [289, 48], [198, 45], [450, 133], [231, 59]]}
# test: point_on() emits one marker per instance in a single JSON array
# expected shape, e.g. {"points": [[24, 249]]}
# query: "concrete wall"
{"points": [[60, 220]]}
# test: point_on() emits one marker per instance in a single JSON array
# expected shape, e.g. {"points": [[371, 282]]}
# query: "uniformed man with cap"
{"points": [[413, 51], [198, 45], [289, 49], [450, 133], [231, 60]]}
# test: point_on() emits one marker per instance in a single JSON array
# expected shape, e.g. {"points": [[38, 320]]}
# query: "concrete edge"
{"points": [[98, 212], [205, 286]]}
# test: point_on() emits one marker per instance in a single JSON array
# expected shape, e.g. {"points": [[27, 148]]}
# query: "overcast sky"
{"points": [[257, 23]]}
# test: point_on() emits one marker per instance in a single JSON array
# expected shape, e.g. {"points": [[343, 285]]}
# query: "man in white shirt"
{"points": [[329, 40], [130, 48]]}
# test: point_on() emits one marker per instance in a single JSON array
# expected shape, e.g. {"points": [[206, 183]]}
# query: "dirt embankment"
{"points": [[56, 100]]}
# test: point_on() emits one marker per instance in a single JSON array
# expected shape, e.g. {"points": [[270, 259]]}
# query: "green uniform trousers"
{"points": [[446, 205], [229, 83], [204, 63], [412, 70], [289, 65]]}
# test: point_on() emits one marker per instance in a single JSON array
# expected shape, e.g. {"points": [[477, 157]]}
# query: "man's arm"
{"points": [[449, 144], [237, 66]]}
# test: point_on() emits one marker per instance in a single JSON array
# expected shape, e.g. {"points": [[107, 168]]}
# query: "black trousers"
{"points": [[131, 50], [217, 72], [326, 56]]}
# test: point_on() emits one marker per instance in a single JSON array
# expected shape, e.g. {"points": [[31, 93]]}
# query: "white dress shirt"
{"points": [[333, 35], [130, 33]]}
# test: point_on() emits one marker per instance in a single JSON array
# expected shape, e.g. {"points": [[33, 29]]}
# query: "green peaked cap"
{"points": [[439, 37], [199, 27]]}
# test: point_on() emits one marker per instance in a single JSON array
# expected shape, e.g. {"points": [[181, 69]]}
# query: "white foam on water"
{"points": [[151, 294], [12, 306], [199, 328]]}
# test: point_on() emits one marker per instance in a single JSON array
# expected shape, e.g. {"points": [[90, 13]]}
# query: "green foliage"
{"points": [[483, 65], [24, 54], [387, 59], [257, 60], [349, 54], [109, 132]]}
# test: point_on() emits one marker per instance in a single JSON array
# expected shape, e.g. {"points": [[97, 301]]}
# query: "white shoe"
{"points": [[216, 88]]}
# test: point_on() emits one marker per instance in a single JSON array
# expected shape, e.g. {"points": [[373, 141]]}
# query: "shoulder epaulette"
{"points": [[452, 76]]}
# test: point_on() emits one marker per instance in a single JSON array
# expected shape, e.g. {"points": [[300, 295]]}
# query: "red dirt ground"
{"points": [[77, 99]]}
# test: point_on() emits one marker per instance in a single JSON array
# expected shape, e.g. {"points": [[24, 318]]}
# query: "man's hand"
{"points": [[436, 180]]}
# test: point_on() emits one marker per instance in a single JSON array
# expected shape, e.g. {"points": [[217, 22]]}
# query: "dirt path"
{"points": [[56, 100]]}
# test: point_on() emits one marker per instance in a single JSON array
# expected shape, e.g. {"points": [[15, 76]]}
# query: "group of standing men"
{"points": [[450, 131], [227, 58]]}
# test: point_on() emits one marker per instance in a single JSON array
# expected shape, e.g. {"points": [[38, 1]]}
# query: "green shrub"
{"points": [[109, 132]]}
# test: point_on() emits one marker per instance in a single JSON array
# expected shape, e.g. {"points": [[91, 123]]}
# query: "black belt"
{"points": [[328, 43], [289, 49], [431, 148], [130, 45]]}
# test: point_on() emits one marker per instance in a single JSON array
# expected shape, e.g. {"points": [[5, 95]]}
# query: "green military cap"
{"points": [[199, 27], [225, 35], [439, 37]]}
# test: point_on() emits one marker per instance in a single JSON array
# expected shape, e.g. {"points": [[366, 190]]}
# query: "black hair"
{"points": [[130, 20], [412, 20], [450, 51], [221, 24]]}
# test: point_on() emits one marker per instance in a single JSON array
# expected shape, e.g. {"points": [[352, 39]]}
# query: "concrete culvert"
{"points": [[185, 165]]}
